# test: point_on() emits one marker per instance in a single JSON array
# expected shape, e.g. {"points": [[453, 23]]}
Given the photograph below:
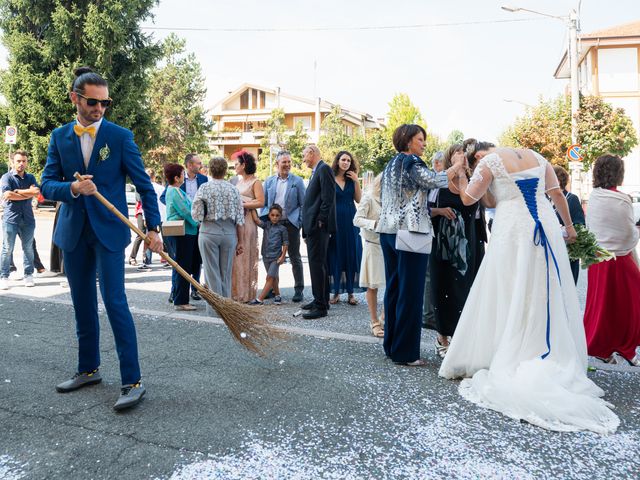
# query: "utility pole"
{"points": [[575, 80]]}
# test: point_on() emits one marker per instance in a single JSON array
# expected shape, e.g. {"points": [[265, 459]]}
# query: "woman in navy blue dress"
{"points": [[345, 246]]}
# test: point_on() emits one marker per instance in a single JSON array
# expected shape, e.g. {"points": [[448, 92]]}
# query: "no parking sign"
{"points": [[574, 153], [10, 135]]}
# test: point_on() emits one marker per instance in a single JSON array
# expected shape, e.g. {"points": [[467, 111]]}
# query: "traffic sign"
{"points": [[574, 153], [10, 135]]}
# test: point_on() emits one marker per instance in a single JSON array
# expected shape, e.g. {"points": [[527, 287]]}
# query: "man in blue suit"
{"points": [[287, 190], [92, 238], [192, 181]]}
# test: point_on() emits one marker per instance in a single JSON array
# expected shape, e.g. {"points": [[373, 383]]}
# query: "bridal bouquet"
{"points": [[586, 248]]}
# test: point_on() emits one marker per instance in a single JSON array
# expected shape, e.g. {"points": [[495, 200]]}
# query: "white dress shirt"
{"points": [[87, 142], [191, 186], [281, 190]]}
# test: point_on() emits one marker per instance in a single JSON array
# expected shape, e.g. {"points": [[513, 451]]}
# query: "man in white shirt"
{"points": [[287, 190]]}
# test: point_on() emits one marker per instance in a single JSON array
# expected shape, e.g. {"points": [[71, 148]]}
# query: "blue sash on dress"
{"points": [[529, 188]]}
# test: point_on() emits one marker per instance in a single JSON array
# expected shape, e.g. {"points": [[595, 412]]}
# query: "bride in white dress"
{"points": [[520, 344]]}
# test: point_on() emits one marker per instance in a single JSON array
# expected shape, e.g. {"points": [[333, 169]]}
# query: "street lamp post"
{"points": [[511, 100], [571, 22]]}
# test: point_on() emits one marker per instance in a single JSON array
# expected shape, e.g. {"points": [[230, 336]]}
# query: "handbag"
{"points": [[173, 228], [414, 242]]}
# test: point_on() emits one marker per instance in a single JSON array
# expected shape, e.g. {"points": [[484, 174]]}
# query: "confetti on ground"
{"points": [[10, 469]]}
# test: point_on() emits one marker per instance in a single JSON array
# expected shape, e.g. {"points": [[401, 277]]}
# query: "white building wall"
{"points": [[618, 69], [631, 106]]}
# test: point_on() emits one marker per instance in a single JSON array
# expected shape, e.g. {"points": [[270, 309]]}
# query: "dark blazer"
{"points": [[575, 209], [121, 159], [320, 201], [200, 179]]}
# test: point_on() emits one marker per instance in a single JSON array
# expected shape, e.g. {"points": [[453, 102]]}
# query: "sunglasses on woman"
{"points": [[92, 102]]}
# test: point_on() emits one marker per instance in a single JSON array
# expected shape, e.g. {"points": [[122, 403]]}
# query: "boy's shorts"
{"points": [[271, 266]]}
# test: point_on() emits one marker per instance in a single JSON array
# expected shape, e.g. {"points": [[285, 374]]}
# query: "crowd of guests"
{"points": [[349, 231]]}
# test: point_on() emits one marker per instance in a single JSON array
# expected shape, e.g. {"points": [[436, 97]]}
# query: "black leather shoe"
{"points": [[297, 297], [315, 313], [170, 298], [309, 306], [79, 380], [196, 296]]}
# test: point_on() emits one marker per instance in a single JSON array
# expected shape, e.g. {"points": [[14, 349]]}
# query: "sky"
{"points": [[458, 62]]}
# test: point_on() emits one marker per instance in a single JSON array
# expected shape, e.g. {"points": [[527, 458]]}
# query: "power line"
{"points": [[338, 29]]}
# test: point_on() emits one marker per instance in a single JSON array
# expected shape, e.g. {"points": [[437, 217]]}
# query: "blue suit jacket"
{"points": [[200, 179], [293, 198], [64, 158]]}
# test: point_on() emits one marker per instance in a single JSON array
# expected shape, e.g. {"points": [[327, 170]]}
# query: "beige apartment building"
{"points": [[609, 66], [239, 119]]}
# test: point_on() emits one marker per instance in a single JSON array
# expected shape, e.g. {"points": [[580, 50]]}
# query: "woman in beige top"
{"points": [[244, 276], [372, 265]]}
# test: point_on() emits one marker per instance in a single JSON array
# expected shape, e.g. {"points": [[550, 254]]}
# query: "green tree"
{"points": [[402, 110], [381, 150], [47, 40], [334, 135], [456, 136], [603, 129], [177, 92], [274, 134], [546, 128], [295, 145]]}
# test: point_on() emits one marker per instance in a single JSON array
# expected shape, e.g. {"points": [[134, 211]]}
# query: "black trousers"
{"points": [[185, 251], [294, 255], [317, 246]]}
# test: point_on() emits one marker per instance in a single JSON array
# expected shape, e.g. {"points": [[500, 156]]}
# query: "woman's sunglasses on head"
{"points": [[92, 102]]}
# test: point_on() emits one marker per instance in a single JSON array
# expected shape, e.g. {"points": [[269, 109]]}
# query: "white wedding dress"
{"points": [[505, 329]]}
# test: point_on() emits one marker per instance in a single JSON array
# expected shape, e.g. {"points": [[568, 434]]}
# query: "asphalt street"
{"points": [[327, 405]]}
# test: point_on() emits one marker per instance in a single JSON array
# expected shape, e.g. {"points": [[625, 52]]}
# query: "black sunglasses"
{"points": [[92, 102]]}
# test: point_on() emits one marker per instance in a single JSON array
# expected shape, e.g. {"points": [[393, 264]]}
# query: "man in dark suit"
{"points": [[318, 223], [92, 238]]}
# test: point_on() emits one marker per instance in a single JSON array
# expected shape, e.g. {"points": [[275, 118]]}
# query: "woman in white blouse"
{"points": [[218, 208]]}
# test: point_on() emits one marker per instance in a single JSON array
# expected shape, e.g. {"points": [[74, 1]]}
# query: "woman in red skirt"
{"points": [[612, 314]]}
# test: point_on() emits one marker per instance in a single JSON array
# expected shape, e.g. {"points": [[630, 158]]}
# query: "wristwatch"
{"points": [[154, 229]]}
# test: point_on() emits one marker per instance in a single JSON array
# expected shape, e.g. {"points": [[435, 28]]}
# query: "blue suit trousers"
{"points": [[405, 273], [88, 259]]}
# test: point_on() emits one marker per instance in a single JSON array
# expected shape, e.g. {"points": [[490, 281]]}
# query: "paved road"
{"points": [[327, 406]]}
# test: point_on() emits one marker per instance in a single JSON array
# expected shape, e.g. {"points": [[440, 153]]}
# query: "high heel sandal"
{"points": [[441, 350], [377, 330]]}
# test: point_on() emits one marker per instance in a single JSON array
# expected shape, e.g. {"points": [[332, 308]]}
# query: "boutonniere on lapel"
{"points": [[104, 153]]}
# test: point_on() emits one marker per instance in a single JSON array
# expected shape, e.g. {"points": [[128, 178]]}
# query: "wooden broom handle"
{"points": [[142, 235]]}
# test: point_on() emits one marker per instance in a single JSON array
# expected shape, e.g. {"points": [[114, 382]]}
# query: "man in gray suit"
{"points": [[287, 190]]}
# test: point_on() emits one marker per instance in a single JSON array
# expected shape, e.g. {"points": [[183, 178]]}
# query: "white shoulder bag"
{"points": [[407, 241]]}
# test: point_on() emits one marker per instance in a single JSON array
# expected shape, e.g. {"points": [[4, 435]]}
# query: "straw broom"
{"points": [[247, 326]]}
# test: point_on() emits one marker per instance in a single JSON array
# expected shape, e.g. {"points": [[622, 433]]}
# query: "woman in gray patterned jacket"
{"points": [[218, 207], [406, 181]]}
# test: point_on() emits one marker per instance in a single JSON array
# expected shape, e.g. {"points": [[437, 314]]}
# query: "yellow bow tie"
{"points": [[91, 130]]}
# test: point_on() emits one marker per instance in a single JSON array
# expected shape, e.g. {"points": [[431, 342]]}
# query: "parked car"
{"points": [[130, 192], [40, 202]]}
